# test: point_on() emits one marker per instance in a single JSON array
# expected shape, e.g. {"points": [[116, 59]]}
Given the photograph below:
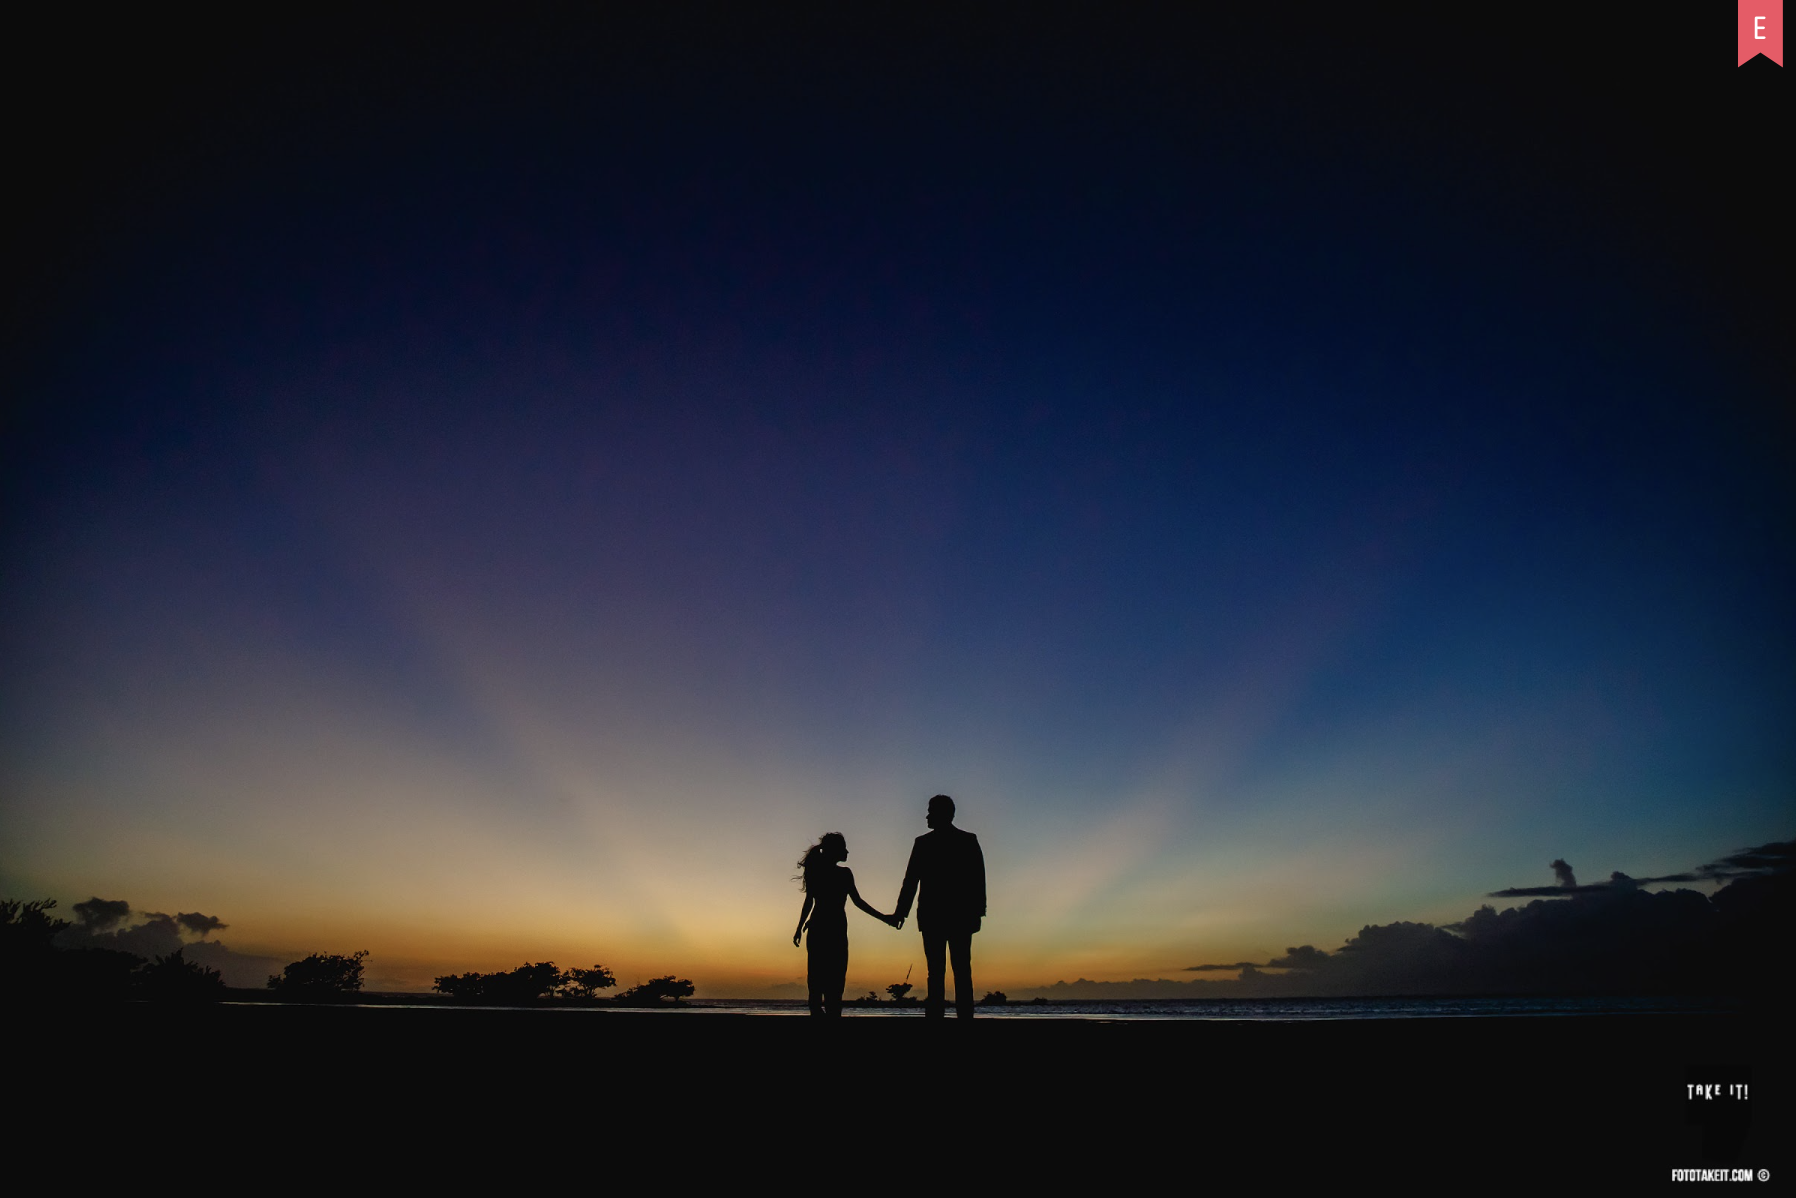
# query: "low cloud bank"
{"points": [[112, 924], [1768, 860], [1608, 937]]}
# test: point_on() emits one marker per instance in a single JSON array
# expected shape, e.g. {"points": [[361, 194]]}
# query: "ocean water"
{"points": [[1283, 1009]]}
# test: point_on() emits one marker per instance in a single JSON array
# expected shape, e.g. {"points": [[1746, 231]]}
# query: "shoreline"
{"points": [[1400, 1006]]}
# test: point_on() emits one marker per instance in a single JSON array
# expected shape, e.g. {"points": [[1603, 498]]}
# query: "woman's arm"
{"points": [[855, 894], [803, 914]]}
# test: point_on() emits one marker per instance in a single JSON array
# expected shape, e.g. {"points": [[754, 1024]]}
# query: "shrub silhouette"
{"points": [[108, 974], [32, 967], [320, 976], [28, 926], [585, 984], [29, 964], [176, 979], [527, 984], [652, 992]]}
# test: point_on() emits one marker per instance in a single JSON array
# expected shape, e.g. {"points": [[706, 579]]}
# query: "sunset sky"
{"points": [[498, 494]]}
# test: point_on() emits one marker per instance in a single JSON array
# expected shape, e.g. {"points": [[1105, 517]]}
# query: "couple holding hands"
{"points": [[945, 862]]}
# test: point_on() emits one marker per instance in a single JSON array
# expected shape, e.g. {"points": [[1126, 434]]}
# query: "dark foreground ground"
{"points": [[396, 1095]]}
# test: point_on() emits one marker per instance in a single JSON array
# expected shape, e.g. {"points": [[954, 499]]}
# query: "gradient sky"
{"points": [[489, 494]]}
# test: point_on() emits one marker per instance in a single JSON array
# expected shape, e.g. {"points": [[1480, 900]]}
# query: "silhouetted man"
{"points": [[947, 864]]}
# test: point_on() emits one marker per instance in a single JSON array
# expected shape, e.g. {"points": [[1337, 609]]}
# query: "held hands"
{"points": [[897, 921]]}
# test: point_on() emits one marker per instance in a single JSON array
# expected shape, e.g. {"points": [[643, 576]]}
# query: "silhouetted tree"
{"points": [[27, 936], [28, 925], [462, 987], [27, 955], [526, 984], [898, 990], [32, 967], [654, 991], [320, 976], [103, 974], [585, 984], [176, 979]]}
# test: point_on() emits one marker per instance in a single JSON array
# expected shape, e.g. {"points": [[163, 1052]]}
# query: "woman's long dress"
{"points": [[827, 938]]}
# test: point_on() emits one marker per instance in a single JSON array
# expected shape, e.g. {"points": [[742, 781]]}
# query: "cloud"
{"points": [[1568, 884], [100, 915], [1208, 968], [242, 970], [1306, 957], [1612, 936], [1765, 860], [200, 925], [157, 936], [1779, 857], [112, 924], [1616, 881]]}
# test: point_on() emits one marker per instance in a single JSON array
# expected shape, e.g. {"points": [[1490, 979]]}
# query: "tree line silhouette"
{"points": [[542, 982], [34, 967]]}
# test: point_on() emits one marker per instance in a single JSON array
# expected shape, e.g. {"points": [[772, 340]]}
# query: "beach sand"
{"points": [[1420, 1103]]}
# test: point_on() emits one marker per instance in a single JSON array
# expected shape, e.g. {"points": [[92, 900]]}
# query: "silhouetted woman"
{"points": [[828, 885]]}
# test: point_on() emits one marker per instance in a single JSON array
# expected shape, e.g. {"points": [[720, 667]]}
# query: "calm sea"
{"points": [[1279, 1009], [1282, 1009]]}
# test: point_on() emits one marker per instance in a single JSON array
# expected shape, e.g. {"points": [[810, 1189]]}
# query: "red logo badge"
{"points": [[1761, 30]]}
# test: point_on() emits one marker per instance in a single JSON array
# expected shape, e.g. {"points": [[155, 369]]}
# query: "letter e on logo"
{"points": [[1760, 30]]}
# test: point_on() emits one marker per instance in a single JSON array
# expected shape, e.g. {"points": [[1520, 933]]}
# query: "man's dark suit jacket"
{"points": [[948, 865]]}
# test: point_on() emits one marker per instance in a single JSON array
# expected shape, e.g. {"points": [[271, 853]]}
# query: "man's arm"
{"points": [[909, 892], [979, 863]]}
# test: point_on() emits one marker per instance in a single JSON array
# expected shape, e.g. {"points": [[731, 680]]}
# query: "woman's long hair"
{"points": [[816, 857]]}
